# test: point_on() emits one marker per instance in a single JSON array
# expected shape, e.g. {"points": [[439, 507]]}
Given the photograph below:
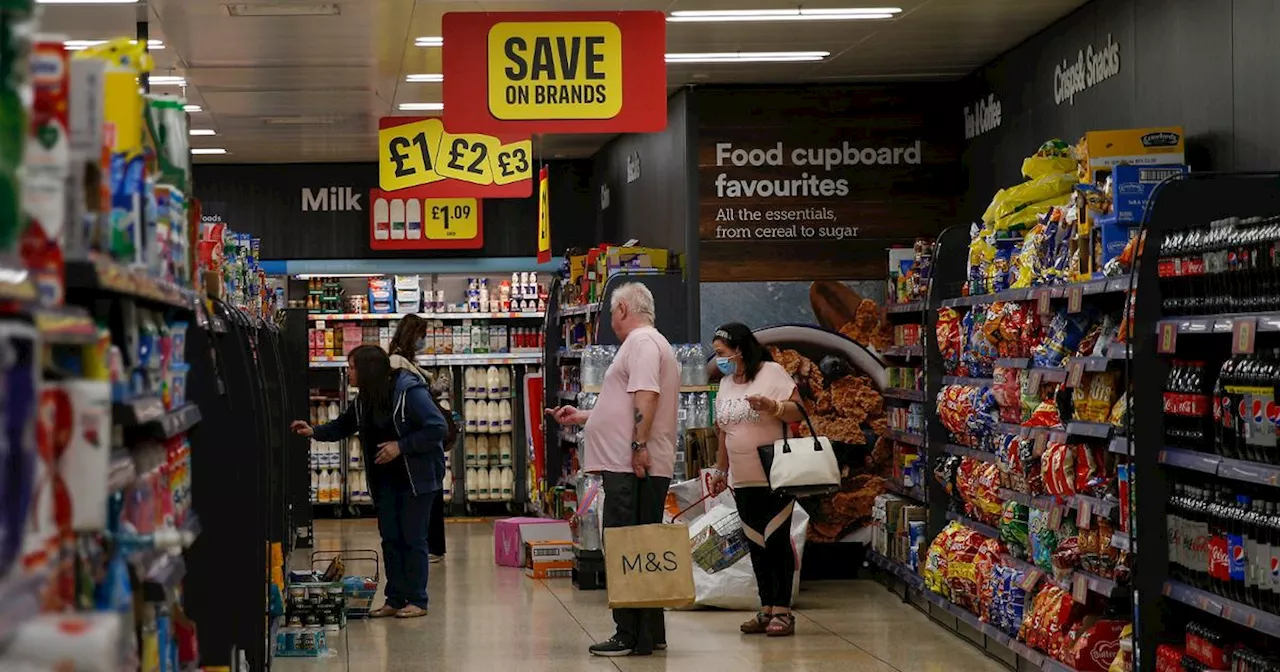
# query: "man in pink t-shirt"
{"points": [[631, 443]]}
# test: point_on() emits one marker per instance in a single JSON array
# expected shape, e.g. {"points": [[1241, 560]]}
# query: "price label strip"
{"points": [[1244, 332], [1042, 302], [1167, 338], [1075, 299]]}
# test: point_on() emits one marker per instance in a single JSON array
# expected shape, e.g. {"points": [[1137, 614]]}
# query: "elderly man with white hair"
{"points": [[631, 443]]}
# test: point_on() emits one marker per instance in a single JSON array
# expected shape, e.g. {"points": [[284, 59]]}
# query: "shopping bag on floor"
{"points": [[648, 566]]}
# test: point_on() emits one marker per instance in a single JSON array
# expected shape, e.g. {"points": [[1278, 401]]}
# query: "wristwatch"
{"points": [[637, 446]]}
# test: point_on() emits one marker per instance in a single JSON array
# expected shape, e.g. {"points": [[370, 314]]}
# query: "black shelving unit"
{"points": [[1176, 205], [241, 464]]}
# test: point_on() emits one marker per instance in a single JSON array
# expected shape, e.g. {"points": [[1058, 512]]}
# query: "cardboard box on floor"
{"points": [[510, 535], [548, 559]]}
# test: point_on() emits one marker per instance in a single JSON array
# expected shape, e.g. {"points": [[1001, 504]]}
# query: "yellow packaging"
{"points": [[1012, 200], [648, 257], [1036, 167], [1100, 150], [1030, 214]]}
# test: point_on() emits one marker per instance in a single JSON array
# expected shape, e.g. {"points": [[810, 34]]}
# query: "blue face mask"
{"points": [[421, 344], [726, 365]]}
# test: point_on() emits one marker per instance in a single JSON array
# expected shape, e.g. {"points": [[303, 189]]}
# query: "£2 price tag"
{"points": [[1167, 338], [1075, 373], [1042, 302], [1075, 299]]}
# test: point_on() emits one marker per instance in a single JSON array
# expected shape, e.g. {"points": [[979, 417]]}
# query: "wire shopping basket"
{"points": [[720, 545], [359, 590]]}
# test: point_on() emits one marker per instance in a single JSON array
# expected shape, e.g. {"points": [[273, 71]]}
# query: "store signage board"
{"points": [[404, 220], [419, 153], [544, 216], [555, 72]]}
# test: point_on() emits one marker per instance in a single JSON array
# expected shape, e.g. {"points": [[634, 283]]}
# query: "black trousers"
{"points": [[766, 519], [435, 527], [402, 523], [630, 500]]}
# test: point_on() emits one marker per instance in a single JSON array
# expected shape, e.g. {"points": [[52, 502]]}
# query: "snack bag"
{"points": [[1014, 224], [1102, 388], [1042, 538], [1014, 529], [948, 333], [1031, 193]]}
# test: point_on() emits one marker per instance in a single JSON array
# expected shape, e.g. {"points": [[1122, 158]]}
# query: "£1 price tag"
{"points": [[1080, 588], [1055, 518], [1075, 373], [1031, 578], [1084, 513], [1075, 299], [1042, 302]]}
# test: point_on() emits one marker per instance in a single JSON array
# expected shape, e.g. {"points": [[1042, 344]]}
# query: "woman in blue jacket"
{"points": [[402, 435]]}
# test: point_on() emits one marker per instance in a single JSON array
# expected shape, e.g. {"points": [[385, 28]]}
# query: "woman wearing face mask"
{"points": [[409, 341], [756, 397]]}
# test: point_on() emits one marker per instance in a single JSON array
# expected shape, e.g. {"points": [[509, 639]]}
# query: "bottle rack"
{"points": [[1167, 329]]}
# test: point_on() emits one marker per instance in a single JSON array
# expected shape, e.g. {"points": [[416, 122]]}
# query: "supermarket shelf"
{"points": [[122, 471], [1034, 501], [65, 325], [570, 354], [179, 420], [965, 451], [595, 389], [1225, 467], [430, 316], [139, 411], [1097, 430], [1012, 362], [461, 359], [1220, 324], [104, 275], [1099, 286], [1190, 459], [909, 307], [1056, 434], [1240, 614], [965, 380], [1037, 659], [570, 311], [1122, 541], [910, 438], [903, 351], [1119, 445], [982, 528], [916, 493], [568, 395], [897, 569], [903, 393]]}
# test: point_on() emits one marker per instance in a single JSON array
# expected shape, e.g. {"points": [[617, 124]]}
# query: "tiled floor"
{"points": [[485, 617]]}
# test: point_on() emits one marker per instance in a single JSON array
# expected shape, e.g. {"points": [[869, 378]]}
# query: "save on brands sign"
{"points": [[555, 72]]}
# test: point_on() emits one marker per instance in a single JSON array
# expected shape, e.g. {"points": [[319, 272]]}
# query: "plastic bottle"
{"points": [[508, 484], [315, 485], [333, 412], [504, 382], [482, 484], [447, 485], [469, 450], [470, 410], [472, 484], [493, 385], [495, 450], [505, 458], [504, 414]]}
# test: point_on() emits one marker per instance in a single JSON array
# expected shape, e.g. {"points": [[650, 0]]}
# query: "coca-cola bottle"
{"points": [[1219, 564], [1176, 524], [1225, 409]]}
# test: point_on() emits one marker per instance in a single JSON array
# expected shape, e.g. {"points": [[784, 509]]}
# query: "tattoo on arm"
{"points": [[639, 416]]}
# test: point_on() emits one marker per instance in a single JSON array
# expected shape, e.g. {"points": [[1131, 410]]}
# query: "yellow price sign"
{"points": [[555, 70], [544, 217], [451, 218], [467, 157], [408, 154], [513, 162]]}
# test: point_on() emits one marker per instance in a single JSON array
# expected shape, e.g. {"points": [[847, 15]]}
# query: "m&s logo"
{"points": [[650, 562]]}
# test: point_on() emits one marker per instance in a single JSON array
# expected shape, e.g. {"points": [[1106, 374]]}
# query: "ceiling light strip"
{"points": [[428, 42], [77, 45], [749, 57], [425, 78], [208, 150], [798, 14], [201, 131], [422, 107]]}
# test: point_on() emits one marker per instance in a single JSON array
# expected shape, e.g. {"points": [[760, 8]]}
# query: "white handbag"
{"points": [[801, 466]]}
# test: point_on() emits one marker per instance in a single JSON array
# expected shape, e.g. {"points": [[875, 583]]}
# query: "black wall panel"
{"points": [[653, 208], [266, 201], [1210, 66]]}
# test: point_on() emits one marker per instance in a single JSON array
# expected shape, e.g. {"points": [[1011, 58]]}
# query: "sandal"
{"points": [[758, 625], [781, 625]]}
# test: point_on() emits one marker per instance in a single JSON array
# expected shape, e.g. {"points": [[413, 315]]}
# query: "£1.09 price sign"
{"points": [[400, 222], [418, 153], [555, 72]]}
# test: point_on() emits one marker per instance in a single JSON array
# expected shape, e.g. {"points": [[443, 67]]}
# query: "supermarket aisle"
{"points": [[485, 617]]}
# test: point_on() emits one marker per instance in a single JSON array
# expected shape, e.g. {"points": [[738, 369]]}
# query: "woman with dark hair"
{"points": [[409, 340], [756, 398], [401, 433]]}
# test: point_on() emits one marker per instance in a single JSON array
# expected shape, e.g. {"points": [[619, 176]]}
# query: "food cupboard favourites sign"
{"points": [[555, 72]]}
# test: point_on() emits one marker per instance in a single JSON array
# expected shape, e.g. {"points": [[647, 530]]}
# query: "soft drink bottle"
{"points": [[1219, 567], [1235, 547], [1224, 411]]}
